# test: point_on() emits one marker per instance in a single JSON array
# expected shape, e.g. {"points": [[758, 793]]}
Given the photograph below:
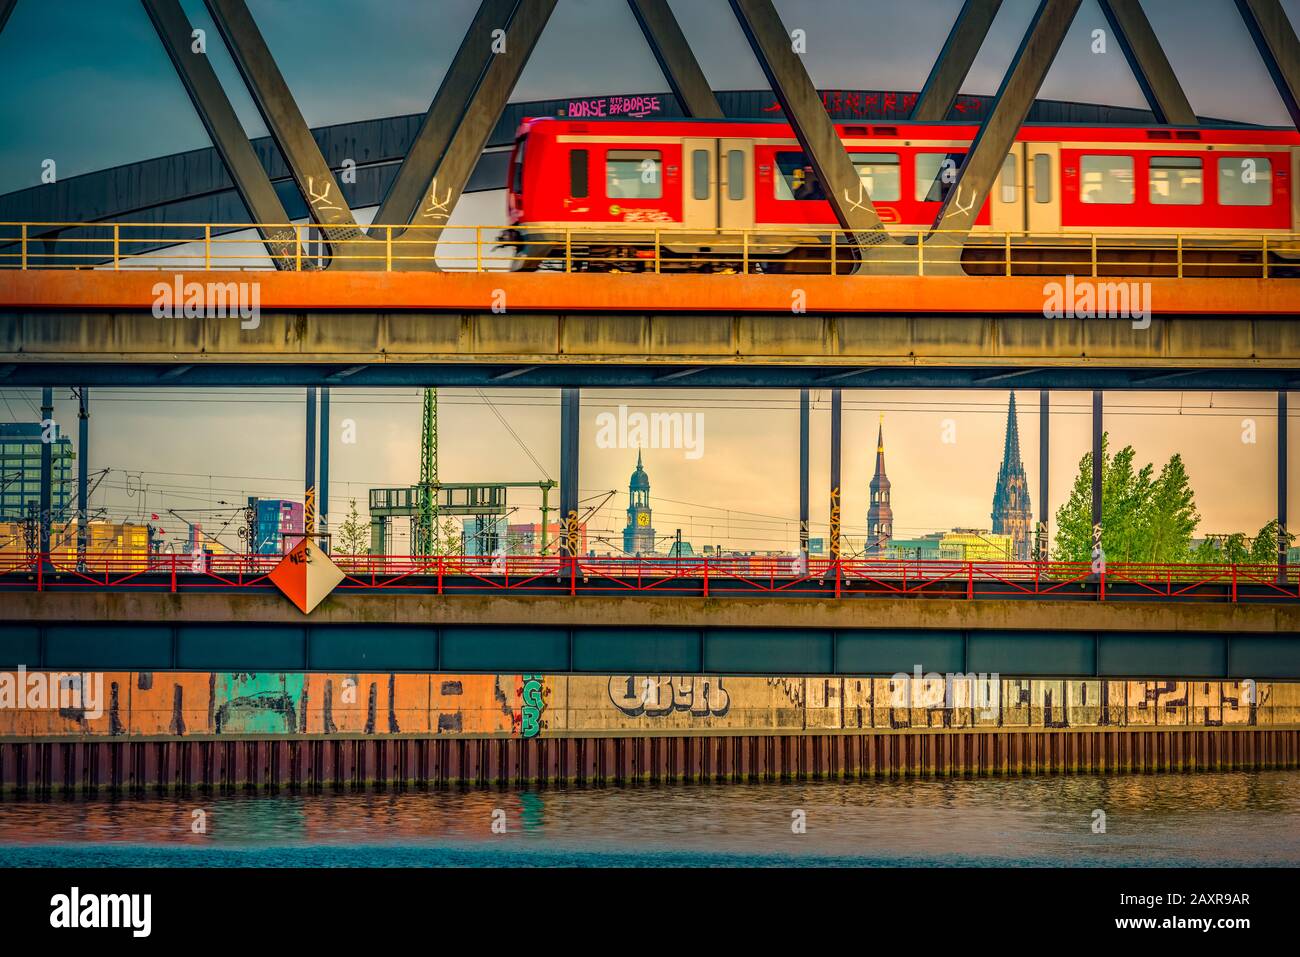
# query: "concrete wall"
{"points": [[186, 704]]}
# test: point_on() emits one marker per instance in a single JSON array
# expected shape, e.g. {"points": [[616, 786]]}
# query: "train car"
{"points": [[707, 195]]}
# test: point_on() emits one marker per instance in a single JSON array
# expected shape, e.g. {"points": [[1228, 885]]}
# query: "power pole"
{"points": [[426, 519], [83, 466]]}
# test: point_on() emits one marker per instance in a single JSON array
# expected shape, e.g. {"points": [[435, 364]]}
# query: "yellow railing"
{"points": [[623, 248]]}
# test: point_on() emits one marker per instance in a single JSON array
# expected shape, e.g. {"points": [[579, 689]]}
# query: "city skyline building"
{"points": [[272, 520], [20, 471]]}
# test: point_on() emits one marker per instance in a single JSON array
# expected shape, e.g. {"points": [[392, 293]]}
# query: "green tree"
{"points": [[1142, 519], [354, 534], [1223, 549], [449, 539], [1173, 516], [1263, 550]]}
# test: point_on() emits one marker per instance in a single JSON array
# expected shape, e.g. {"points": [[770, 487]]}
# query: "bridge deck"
{"points": [[99, 328], [132, 290], [646, 634]]}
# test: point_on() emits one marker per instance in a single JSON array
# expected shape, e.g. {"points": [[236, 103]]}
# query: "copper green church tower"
{"points": [[639, 534]]}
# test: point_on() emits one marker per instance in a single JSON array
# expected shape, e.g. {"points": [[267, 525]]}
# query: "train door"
{"points": [[1007, 204], [735, 184], [700, 191], [1043, 187]]}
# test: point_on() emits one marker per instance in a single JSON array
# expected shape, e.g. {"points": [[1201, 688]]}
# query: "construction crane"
{"points": [[424, 541]]}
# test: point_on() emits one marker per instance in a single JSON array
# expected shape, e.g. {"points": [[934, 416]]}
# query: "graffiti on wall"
{"points": [[227, 703], [659, 695], [534, 703]]}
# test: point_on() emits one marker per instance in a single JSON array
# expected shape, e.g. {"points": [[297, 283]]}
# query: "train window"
{"points": [[700, 174], [878, 173], [1176, 181], [1245, 181], [935, 174], [1042, 178], [735, 174], [633, 174], [1009, 170], [1106, 179], [797, 179], [577, 173]]}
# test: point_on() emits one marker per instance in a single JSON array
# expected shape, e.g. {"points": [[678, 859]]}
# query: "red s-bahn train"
{"points": [[597, 194]]}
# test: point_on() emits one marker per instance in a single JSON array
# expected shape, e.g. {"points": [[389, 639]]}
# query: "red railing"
{"points": [[707, 577]]}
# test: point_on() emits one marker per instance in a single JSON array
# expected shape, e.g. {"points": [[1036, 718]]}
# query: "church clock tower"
{"points": [[639, 535]]}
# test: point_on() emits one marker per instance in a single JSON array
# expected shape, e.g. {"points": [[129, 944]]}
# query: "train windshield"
{"points": [[517, 180]]}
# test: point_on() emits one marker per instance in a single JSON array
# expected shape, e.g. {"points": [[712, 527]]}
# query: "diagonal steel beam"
{"points": [[225, 131], [285, 122], [997, 133], [448, 109], [812, 125], [471, 133], [6, 8], [951, 68], [678, 63], [1148, 62], [1278, 46]]}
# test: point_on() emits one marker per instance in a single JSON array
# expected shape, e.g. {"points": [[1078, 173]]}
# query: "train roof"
{"points": [[659, 126]]}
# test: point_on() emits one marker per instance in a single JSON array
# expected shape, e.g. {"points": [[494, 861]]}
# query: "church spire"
{"points": [[1012, 509], [1011, 446], [880, 517]]}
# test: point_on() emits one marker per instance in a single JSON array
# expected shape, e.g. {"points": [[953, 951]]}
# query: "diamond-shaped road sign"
{"points": [[306, 575]]}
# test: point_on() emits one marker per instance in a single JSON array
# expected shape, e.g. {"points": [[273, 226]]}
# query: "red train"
{"points": [[720, 192]]}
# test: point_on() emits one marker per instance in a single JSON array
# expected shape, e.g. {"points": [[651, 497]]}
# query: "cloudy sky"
{"points": [[86, 82]]}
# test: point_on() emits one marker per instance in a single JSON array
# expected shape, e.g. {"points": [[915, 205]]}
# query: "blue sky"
{"points": [[86, 82]]}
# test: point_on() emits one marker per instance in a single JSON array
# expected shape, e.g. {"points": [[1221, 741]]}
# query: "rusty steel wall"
{"points": [[273, 705], [137, 767]]}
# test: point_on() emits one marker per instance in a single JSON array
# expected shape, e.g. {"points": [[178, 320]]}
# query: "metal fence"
{"points": [[703, 577], [638, 248]]}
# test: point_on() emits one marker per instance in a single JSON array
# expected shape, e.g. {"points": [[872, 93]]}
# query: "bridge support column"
{"points": [[837, 426], [1044, 456], [1275, 39], [1281, 486], [813, 128], [323, 495], [954, 62], [83, 469], [1148, 62], [225, 131], [678, 63], [48, 437], [570, 409], [1098, 558], [803, 476], [309, 483]]}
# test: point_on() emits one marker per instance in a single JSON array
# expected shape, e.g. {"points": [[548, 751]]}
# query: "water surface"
{"points": [[1227, 819]]}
